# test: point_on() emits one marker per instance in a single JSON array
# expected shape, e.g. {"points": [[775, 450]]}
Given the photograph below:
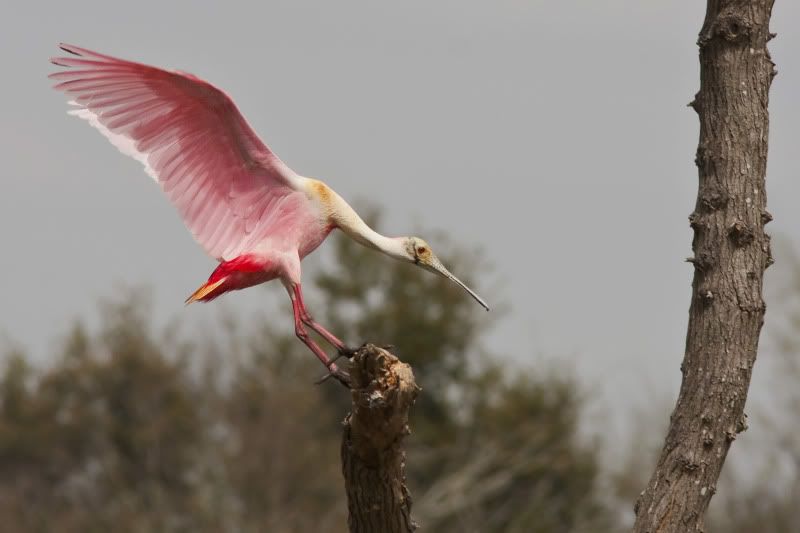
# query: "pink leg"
{"points": [[302, 334], [308, 320]]}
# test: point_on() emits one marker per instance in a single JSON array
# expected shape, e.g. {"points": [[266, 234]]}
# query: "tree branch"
{"points": [[731, 252], [373, 460]]}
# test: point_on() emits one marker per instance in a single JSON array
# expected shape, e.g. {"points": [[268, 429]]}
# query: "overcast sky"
{"points": [[553, 134]]}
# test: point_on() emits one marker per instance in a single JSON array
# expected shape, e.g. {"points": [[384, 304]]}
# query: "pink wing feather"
{"points": [[227, 185]]}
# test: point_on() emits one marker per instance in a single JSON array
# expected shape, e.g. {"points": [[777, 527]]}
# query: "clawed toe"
{"points": [[348, 352], [339, 375]]}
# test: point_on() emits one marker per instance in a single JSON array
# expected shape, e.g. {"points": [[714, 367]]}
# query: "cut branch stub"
{"points": [[373, 459]]}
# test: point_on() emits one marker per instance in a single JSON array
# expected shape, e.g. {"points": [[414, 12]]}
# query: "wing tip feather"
{"points": [[70, 49], [60, 61]]}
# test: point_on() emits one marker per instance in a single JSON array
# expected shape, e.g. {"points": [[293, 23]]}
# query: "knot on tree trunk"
{"points": [[373, 460], [731, 24]]}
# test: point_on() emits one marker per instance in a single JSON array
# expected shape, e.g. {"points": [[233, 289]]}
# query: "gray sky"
{"points": [[555, 134]]}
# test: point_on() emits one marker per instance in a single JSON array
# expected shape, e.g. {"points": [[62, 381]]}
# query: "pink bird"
{"points": [[244, 206]]}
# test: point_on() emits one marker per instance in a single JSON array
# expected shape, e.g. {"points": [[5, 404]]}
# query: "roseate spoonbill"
{"points": [[244, 206]]}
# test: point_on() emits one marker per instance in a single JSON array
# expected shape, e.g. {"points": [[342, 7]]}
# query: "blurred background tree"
{"points": [[492, 449], [134, 430]]}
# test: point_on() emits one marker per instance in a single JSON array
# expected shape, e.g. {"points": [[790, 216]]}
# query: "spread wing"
{"points": [[191, 138]]}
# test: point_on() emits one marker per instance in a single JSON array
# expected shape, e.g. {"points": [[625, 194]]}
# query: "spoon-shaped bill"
{"points": [[439, 267]]}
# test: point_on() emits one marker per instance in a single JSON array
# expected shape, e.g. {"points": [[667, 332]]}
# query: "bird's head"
{"points": [[419, 252]]}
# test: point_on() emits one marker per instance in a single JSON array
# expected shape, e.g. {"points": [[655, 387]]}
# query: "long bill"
{"points": [[439, 268]]}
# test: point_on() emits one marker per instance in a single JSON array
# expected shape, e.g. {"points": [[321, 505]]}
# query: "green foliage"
{"points": [[131, 431], [515, 464], [108, 431]]}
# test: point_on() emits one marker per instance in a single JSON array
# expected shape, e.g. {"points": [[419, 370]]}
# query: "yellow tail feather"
{"points": [[204, 290]]}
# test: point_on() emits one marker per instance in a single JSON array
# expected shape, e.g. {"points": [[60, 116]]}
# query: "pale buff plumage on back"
{"points": [[244, 206]]}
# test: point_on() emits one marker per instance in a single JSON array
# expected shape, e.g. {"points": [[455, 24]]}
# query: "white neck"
{"points": [[352, 224], [345, 217]]}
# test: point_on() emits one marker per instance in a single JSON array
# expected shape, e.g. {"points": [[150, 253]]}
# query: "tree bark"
{"points": [[373, 460], [731, 252]]}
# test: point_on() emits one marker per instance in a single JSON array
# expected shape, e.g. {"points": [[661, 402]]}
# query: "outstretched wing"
{"points": [[192, 140]]}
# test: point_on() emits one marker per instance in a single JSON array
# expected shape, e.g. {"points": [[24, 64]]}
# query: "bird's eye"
{"points": [[421, 250]]}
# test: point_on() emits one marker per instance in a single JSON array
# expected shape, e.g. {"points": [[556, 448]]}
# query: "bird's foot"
{"points": [[338, 374], [349, 352], [345, 351]]}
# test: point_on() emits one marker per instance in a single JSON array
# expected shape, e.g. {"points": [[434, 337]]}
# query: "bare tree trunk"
{"points": [[731, 252], [373, 460]]}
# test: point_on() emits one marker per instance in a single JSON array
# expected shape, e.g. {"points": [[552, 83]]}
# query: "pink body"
{"points": [[241, 203], [249, 211], [273, 259]]}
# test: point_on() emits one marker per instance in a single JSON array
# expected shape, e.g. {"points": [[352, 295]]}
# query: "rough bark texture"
{"points": [[731, 252], [373, 460]]}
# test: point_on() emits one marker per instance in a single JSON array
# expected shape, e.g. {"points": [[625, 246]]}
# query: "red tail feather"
{"points": [[238, 273]]}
